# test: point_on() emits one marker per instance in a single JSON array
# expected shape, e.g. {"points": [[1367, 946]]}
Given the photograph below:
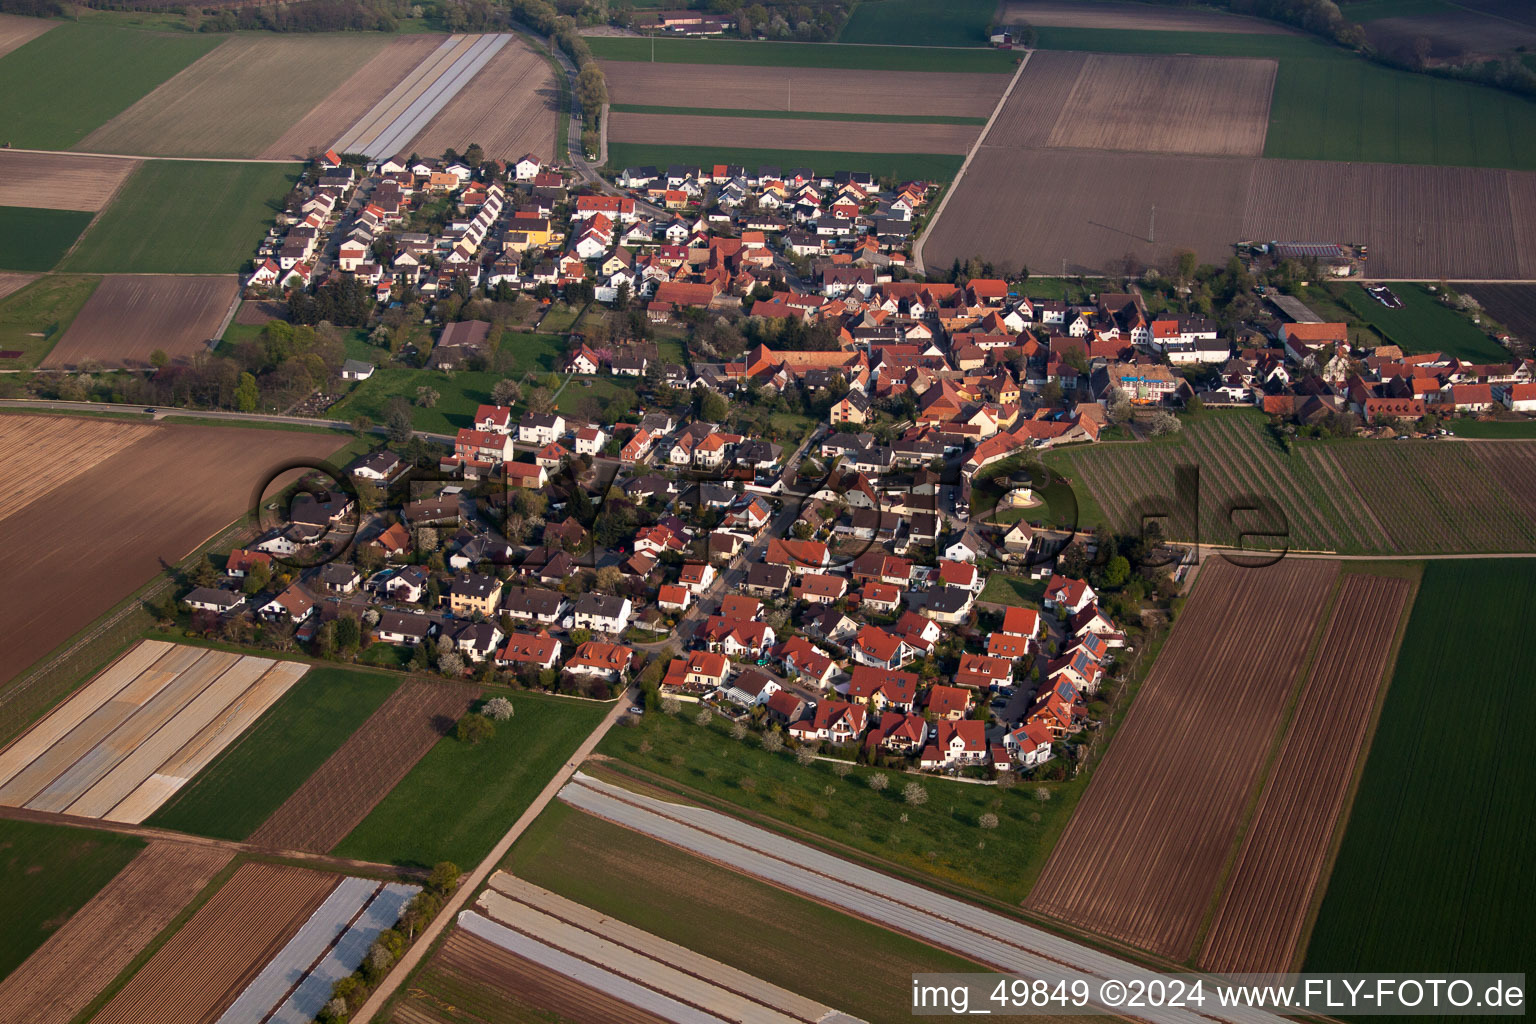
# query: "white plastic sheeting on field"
{"points": [[346, 956]]}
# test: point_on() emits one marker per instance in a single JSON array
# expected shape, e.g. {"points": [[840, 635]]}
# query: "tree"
{"points": [[158, 359], [450, 663], [988, 820], [474, 729], [1050, 393], [498, 709], [914, 794], [444, 877], [805, 755], [607, 579], [426, 397], [474, 154], [1117, 571], [541, 401], [246, 393], [1165, 422], [349, 634], [256, 579], [713, 406], [773, 742], [879, 781], [591, 92], [397, 419], [506, 392], [705, 716]]}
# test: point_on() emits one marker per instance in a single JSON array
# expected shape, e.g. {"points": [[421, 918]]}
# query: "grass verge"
{"points": [[802, 55], [33, 319], [902, 166]]}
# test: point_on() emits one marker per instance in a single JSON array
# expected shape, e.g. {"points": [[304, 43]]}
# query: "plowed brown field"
{"points": [[366, 767], [1261, 916], [323, 125], [790, 133], [1137, 16], [68, 446], [172, 489], [80, 959], [16, 31], [509, 108], [1212, 105], [492, 983], [204, 966], [12, 283], [129, 316], [1141, 857], [823, 90], [60, 181]]}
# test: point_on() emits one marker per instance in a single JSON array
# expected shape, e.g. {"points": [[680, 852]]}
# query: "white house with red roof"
{"points": [[1030, 745], [1068, 596], [835, 721], [494, 419], [875, 647], [881, 688], [956, 745]]}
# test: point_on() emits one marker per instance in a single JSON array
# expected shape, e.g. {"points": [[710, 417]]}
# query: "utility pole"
{"points": [[1152, 225]]}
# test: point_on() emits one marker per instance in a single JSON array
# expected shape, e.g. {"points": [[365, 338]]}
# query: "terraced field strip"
{"points": [[94, 946], [1514, 466], [307, 946], [382, 911], [404, 93], [362, 771], [209, 961], [67, 446], [1356, 512], [643, 958], [942, 921], [105, 752], [1140, 859], [1262, 914], [208, 743]]}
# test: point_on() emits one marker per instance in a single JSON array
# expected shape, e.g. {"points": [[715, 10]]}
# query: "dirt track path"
{"points": [[476, 878]]}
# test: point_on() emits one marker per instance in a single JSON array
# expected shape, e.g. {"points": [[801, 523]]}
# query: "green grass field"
{"points": [[185, 217], [774, 935], [241, 789], [1020, 591], [47, 872], [1331, 105], [904, 166], [1436, 868], [33, 319], [73, 79], [940, 839], [919, 22], [799, 115], [803, 55], [460, 799], [1423, 324], [32, 239], [1500, 430]]}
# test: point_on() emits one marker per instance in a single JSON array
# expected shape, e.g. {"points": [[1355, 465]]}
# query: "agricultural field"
{"points": [[60, 181], [200, 970], [1513, 305], [1141, 859], [99, 940], [64, 84], [55, 587], [1345, 496], [131, 737], [1443, 818], [811, 949], [35, 312], [208, 109], [899, 165], [37, 239], [700, 130], [16, 30], [1140, 16], [47, 873], [254, 776], [1200, 105], [349, 101], [184, 217], [802, 55], [1261, 918], [129, 317], [716, 770], [1424, 324], [919, 22], [365, 768], [510, 108], [405, 110], [1455, 33], [792, 91], [458, 799]]}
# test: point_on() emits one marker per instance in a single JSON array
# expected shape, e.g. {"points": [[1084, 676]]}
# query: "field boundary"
{"points": [[917, 249]]}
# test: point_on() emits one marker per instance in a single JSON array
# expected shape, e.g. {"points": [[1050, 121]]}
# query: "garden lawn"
{"points": [[919, 22], [32, 239], [47, 872], [901, 166], [73, 79], [185, 217], [1499, 430], [1013, 590], [251, 779], [940, 840], [1436, 868], [799, 115], [804, 55], [1329, 104], [33, 319], [782, 938], [460, 799], [1423, 324], [458, 396]]}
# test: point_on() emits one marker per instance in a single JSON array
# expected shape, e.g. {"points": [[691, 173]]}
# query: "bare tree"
{"points": [[914, 794], [879, 781]]}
